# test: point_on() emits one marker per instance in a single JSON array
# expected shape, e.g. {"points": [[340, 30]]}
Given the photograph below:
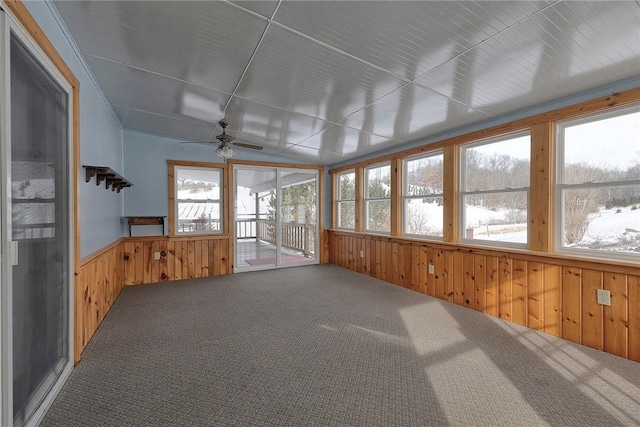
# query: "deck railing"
{"points": [[296, 236]]}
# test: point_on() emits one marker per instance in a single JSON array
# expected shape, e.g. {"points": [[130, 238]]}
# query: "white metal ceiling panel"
{"points": [[262, 7], [405, 38], [314, 155], [345, 141], [160, 125], [270, 123], [291, 72], [141, 90], [571, 47], [205, 43], [412, 112]]}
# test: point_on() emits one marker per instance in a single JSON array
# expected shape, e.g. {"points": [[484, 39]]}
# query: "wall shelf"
{"points": [[145, 220], [111, 178]]}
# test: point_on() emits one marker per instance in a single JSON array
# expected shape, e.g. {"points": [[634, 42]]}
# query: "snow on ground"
{"points": [[615, 229]]}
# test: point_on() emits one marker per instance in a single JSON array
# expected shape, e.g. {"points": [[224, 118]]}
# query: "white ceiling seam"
{"points": [[244, 72], [155, 73]]}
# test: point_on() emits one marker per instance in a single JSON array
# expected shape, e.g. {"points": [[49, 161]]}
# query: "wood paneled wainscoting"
{"points": [[132, 261], [159, 259], [546, 293], [99, 282]]}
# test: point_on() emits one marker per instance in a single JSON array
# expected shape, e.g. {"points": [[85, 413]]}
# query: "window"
{"points": [[346, 199], [422, 195], [598, 184], [377, 198], [198, 196], [494, 189]]}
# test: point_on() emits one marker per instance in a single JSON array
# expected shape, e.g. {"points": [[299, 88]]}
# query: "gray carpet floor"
{"points": [[320, 345]]}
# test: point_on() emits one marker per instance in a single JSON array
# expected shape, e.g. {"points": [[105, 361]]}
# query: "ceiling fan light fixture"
{"points": [[224, 151]]}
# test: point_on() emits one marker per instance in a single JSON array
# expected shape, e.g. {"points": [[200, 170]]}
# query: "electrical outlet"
{"points": [[361, 254], [604, 297], [156, 255], [431, 269]]}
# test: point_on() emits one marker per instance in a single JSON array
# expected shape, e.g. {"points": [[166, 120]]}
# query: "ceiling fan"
{"points": [[224, 150]]}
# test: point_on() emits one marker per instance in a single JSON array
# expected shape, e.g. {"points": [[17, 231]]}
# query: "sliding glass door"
{"points": [[36, 237], [276, 212]]}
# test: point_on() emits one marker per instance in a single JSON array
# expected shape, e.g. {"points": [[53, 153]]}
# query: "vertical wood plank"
{"points": [[505, 291], [204, 258], [440, 275], [616, 331], [519, 304], [163, 276], [191, 257], [217, 261], [147, 274], [423, 260], [571, 299], [458, 275], [378, 257], [448, 274], [155, 263], [431, 278], [479, 274], [197, 258], [541, 179], [634, 317], [552, 278], [224, 260], [171, 261], [139, 263], [492, 285], [468, 281], [395, 263], [592, 312], [535, 296], [385, 248], [129, 264]]}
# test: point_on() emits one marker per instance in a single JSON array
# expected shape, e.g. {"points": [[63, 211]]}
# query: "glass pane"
{"points": [[347, 186], [497, 217], [299, 216], [347, 214], [40, 225], [605, 219], [255, 217], [424, 176], [378, 215], [378, 182], [497, 165], [603, 150], [423, 216], [198, 200]]}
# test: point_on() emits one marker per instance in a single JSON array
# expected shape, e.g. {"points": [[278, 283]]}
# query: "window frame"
{"points": [[339, 200], [174, 167], [405, 197], [462, 193], [366, 199], [560, 188]]}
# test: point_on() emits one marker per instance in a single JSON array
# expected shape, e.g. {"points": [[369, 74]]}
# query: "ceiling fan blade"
{"points": [[198, 142], [249, 146]]}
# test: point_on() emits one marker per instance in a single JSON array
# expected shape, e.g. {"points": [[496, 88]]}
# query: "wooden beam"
{"points": [[450, 199], [396, 221], [171, 185], [541, 187], [359, 204]]}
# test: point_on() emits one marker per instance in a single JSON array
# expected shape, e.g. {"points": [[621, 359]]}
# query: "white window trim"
{"points": [[367, 199], [220, 200], [405, 198], [561, 188], [340, 200], [463, 193]]}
